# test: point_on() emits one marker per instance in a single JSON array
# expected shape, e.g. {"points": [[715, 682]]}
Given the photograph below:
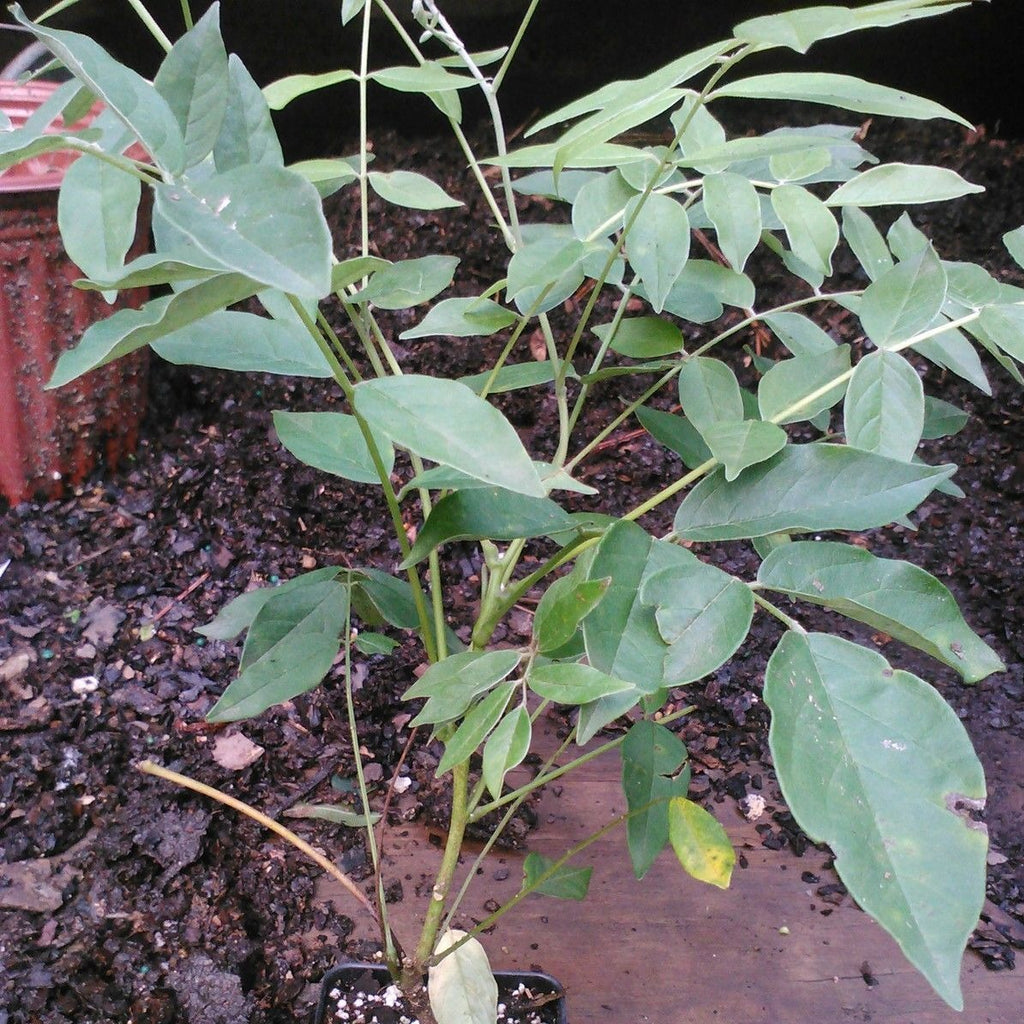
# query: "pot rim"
{"points": [[550, 983]]}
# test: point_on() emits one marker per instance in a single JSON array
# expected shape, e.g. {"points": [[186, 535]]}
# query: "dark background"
{"points": [[969, 59]]}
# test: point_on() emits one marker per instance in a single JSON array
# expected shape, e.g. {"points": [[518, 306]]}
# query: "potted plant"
{"points": [[789, 446], [53, 440]]}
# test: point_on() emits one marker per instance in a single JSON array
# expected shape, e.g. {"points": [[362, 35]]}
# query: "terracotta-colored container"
{"points": [[52, 439]]}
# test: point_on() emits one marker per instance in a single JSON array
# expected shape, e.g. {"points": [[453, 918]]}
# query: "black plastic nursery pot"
{"points": [[540, 997]]}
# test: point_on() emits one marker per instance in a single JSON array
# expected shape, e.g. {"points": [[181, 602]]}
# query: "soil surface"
{"points": [[122, 898]]}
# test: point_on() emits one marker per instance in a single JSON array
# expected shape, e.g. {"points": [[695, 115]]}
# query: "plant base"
{"points": [[361, 993]]}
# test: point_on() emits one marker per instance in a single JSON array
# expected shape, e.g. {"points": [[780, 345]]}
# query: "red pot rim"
{"points": [[45, 172]]}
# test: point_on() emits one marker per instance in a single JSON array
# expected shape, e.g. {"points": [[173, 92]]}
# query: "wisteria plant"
{"points": [[820, 440]]}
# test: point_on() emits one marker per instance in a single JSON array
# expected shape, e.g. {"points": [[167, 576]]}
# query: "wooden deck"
{"points": [[669, 950]]}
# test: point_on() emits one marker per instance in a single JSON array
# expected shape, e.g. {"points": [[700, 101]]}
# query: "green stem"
{"points": [[453, 848], [514, 45], [788, 621], [489, 921], [364, 799], [460, 135], [364, 181], [154, 29], [186, 13], [382, 473]]}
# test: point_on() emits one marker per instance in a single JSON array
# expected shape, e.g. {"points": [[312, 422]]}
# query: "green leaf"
{"points": [[896, 597], [505, 748], [96, 211], [800, 29], [411, 190], [654, 770], [259, 220], [873, 761], [806, 488], [565, 604], [462, 318], [593, 717], [1004, 324], [379, 597], [726, 285], [328, 176], [348, 272], [733, 207], [643, 337], [351, 8], [700, 843], [239, 613], [952, 351], [617, 95], [514, 377], [127, 94], [598, 207], [154, 269], [270, 346], [445, 422], [792, 382], [810, 226], [333, 813], [428, 77], [291, 645], [476, 725], [573, 683], [743, 443], [1014, 242], [621, 633], [564, 883], [193, 78], [409, 283], [793, 167], [904, 238], [657, 243], [941, 419], [756, 147], [452, 684], [611, 154], [803, 337], [280, 93], [333, 442], [843, 91], [375, 643], [675, 433], [621, 106], [702, 613], [545, 271], [905, 300], [867, 242], [247, 134], [130, 329], [487, 512], [884, 410], [970, 286], [901, 185], [709, 392], [461, 987]]}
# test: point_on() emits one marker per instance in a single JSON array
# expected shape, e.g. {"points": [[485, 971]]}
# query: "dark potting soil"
{"points": [[122, 898]]}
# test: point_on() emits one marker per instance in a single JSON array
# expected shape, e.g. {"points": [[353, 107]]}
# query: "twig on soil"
{"points": [[150, 768], [191, 588]]}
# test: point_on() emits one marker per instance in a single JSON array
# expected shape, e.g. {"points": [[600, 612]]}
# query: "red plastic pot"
{"points": [[52, 439]]}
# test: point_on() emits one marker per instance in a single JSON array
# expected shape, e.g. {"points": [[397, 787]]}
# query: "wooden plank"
{"points": [[669, 950]]}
